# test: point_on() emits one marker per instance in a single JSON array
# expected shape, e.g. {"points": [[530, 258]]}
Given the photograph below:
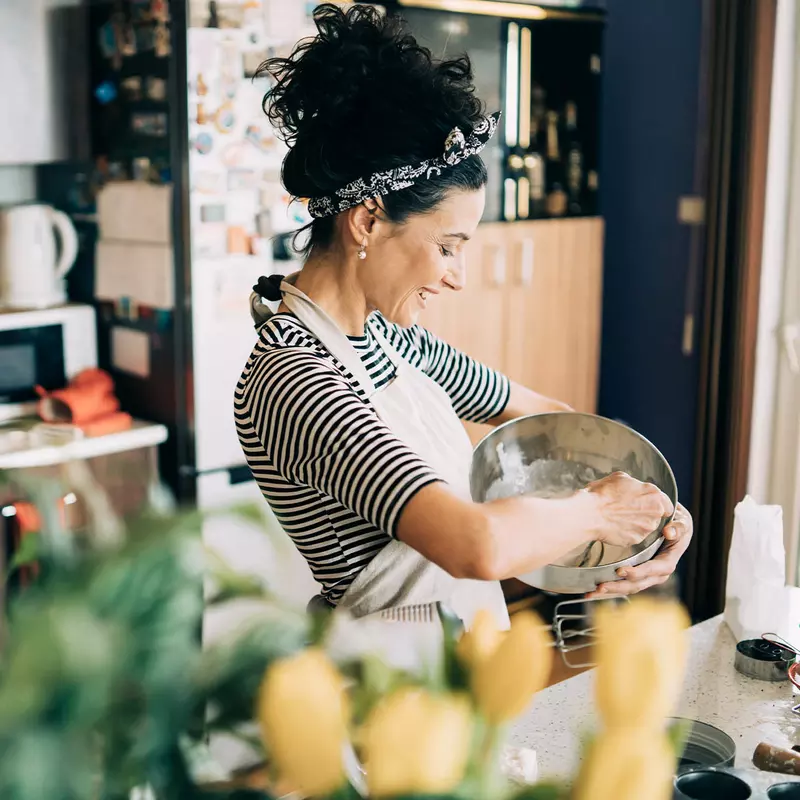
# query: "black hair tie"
{"points": [[269, 288]]}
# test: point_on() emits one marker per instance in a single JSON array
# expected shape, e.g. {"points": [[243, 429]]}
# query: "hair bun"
{"points": [[360, 96]]}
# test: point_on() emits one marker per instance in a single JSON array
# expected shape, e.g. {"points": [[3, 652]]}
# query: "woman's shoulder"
{"points": [[286, 358]]}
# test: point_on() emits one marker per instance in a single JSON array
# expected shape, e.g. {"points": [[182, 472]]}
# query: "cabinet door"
{"points": [[553, 317]]}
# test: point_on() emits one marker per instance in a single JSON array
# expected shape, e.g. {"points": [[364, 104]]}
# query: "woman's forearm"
{"points": [[523, 402], [496, 540]]}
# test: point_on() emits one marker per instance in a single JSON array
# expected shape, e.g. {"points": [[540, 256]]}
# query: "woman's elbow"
{"points": [[479, 558]]}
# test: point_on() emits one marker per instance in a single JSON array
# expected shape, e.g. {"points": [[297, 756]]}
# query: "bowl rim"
{"points": [[616, 424]]}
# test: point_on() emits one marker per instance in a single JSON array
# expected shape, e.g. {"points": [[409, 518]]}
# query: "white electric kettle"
{"points": [[31, 274]]}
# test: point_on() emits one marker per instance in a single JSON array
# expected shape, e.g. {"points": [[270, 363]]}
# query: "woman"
{"points": [[347, 411]]}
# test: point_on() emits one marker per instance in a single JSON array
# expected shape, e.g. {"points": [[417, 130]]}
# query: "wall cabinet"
{"points": [[531, 306]]}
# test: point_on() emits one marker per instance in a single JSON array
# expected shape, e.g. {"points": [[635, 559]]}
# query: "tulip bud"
{"points": [[415, 742], [481, 640], [505, 681], [303, 714], [641, 652], [626, 764]]}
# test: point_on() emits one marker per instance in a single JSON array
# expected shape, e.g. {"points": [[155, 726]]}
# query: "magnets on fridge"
{"points": [[207, 181], [149, 124], [200, 86], [256, 136], [105, 93], [156, 89], [159, 10], [212, 212], [202, 116], [108, 40], [225, 119], [132, 87], [127, 40], [163, 46], [203, 143]]}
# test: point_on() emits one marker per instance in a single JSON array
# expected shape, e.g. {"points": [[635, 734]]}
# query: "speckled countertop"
{"points": [[749, 711]]}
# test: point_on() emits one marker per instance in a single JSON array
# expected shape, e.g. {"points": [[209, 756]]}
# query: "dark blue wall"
{"points": [[649, 131]]}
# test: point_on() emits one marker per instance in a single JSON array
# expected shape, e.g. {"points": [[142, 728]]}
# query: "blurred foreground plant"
{"points": [[104, 684]]}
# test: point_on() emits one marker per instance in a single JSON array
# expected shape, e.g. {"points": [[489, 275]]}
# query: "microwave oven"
{"points": [[47, 348]]}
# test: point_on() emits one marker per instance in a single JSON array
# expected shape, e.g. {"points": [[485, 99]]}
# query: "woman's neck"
{"points": [[333, 286]]}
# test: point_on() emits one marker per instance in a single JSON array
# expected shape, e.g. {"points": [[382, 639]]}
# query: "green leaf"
{"points": [[678, 734], [27, 553]]}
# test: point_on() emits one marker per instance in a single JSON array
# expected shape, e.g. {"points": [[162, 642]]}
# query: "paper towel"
{"points": [[757, 600]]}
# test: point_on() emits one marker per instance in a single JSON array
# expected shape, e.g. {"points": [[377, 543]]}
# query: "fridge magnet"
{"points": [[105, 93], [163, 46], [233, 154], [108, 39], [127, 40], [238, 240], [159, 10], [201, 118], [203, 143], [212, 212], [132, 88], [140, 11], [156, 89], [225, 119], [207, 182], [260, 139], [200, 86], [242, 180], [149, 124]]}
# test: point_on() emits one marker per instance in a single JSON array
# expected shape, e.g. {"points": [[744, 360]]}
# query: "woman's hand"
{"points": [[678, 535], [626, 510]]}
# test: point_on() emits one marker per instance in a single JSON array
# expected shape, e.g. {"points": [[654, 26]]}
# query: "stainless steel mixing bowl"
{"points": [[602, 444]]}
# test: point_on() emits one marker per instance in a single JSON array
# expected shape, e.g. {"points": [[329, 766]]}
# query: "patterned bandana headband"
{"points": [[457, 147]]}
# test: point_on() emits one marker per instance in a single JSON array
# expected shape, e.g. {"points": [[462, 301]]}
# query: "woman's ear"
{"points": [[360, 223]]}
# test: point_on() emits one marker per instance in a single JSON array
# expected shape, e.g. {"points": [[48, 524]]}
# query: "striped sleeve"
{"points": [[319, 433], [478, 393]]}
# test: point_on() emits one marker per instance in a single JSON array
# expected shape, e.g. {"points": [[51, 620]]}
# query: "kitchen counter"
{"points": [[749, 711], [140, 435]]}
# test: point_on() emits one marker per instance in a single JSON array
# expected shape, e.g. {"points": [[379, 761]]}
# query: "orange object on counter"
{"points": [[88, 403]]}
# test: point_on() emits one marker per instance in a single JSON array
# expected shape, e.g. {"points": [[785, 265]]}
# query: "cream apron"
{"points": [[419, 412]]}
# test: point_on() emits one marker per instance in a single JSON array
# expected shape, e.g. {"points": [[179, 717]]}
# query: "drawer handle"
{"points": [[526, 263], [498, 266]]}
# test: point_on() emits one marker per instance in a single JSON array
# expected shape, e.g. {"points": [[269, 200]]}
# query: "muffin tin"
{"points": [[735, 784]]}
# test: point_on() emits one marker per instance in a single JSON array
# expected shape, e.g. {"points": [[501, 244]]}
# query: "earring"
{"points": [[362, 253]]}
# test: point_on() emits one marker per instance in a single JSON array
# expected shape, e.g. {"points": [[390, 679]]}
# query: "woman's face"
{"points": [[408, 265]]}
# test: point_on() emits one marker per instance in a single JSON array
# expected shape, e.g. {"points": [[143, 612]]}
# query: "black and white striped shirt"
{"points": [[334, 474]]}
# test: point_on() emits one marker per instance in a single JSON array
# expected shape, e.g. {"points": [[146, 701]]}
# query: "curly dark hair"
{"points": [[362, 96]]}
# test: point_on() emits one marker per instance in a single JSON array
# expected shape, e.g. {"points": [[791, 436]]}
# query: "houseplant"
{"points": [[104, 687]]}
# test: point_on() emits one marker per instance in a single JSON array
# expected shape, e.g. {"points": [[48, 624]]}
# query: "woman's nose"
{"points": [[456, 276]]}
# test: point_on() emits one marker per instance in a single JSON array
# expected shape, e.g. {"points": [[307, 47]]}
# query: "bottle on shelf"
{"points": [[556, 203], [533, 160], [573, 159]]}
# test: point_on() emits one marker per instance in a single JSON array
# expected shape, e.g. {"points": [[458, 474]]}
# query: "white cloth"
{"points": [[419, 412]]}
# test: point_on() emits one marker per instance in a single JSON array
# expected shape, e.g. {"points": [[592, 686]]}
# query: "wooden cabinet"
{"points": [[531, 306]]}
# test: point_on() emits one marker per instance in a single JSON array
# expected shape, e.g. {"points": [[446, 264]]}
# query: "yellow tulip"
{"points": [[641, 653], [303, 715], [481, 640], [626, 764], [505, 681], [416, 742]]}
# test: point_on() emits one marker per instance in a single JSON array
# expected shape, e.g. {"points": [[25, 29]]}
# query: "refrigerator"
{"points": [[175, 107]]}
